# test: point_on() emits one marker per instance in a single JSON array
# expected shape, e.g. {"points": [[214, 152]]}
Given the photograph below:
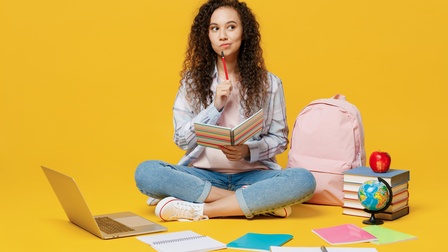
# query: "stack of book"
{"points": [[397, 179]]}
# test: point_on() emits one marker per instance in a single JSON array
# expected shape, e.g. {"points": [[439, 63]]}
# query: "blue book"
{"points": [[259, 242], [361, 174]]}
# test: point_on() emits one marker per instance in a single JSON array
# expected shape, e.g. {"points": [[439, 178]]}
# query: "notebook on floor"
{"points": [[105, 226]]}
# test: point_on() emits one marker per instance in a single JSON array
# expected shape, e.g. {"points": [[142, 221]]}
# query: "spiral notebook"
{"points": [[182, 241]]}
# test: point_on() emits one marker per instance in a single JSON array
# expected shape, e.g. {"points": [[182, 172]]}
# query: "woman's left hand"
{"points": [[235, 153]]}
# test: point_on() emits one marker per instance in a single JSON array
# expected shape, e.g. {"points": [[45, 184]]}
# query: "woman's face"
{"points": [[225, 31]]}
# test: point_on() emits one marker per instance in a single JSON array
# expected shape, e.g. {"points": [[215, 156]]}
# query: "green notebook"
{"points": [[386, 235], [259, 242]]}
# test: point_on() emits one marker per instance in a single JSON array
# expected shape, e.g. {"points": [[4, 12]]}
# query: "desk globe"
{"points": [[375, 196]]}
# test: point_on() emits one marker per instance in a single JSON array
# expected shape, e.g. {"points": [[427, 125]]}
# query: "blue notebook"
{"points": [[259, 242]]}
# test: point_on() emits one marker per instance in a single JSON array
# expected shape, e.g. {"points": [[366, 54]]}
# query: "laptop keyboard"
{"points": [[111, 226]]}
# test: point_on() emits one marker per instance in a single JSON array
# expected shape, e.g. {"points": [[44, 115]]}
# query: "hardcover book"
{"points": [[215, 136], [351, 203], [354, 187], [361, 174], [383, 216], [397, 197]]}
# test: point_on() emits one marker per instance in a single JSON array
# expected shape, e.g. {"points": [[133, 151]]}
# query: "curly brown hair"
{"points": [[200, 59]]}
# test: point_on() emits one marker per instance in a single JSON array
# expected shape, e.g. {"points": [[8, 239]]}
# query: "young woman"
{"points": [[242, 180]]}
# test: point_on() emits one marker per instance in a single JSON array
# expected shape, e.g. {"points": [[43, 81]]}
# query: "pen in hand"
{"points": [[323, 249], [224, 65]]}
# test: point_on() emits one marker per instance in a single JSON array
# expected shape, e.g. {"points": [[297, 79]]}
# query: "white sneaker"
{"points": [[282, 212], [171, 208], [152, 201]]}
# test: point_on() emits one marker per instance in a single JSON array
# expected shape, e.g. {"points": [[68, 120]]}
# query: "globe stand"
{"points": [[373, 220]]}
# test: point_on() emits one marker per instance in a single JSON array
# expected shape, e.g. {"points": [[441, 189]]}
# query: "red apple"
{"points": [[379, 161]]}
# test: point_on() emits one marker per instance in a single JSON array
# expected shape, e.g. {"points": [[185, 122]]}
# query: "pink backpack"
{"points": [[328, 139]]}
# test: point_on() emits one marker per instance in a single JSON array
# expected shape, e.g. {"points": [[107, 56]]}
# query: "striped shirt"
{"points": [[272, 140]]}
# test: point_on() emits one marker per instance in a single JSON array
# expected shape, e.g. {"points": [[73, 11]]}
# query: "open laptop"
{"points": [[105, 226]]}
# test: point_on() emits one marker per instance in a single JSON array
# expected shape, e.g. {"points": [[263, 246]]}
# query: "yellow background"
{"points": [[87, 87]]}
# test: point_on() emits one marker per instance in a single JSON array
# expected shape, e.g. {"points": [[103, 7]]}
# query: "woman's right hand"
{"points": [[222, 95]]}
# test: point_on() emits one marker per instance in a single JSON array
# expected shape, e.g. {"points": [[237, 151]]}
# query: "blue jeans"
{"points": [[269, 189]]}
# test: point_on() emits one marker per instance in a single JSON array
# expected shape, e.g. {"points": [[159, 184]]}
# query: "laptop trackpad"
{"points": [[134, 221]]}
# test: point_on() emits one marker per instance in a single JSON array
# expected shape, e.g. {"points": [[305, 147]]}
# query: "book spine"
{"points": [[363, 174], [354, 187], [350, 203], [397, 197], [384, 215]]}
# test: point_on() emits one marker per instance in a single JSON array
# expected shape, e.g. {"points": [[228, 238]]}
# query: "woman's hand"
{"points": [[235, 153], [223, 91]]}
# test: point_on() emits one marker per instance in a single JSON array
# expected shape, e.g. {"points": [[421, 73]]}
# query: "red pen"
{"points": [[224, 64]]}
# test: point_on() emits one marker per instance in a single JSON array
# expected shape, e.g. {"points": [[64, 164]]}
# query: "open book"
{"points": [[215, 136]]}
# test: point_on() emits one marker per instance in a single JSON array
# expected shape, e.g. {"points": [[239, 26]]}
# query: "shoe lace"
{"points": [[185, 211]]}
